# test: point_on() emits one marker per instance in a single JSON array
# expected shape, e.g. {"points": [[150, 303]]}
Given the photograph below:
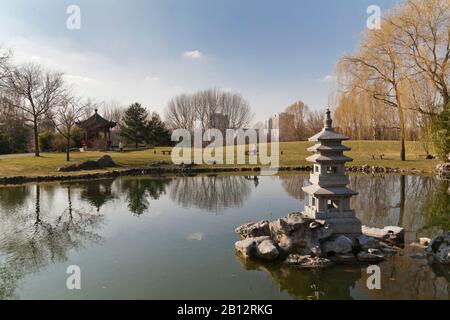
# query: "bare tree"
{"points": [[300, 112], [188, 111], [66, 117], [314, 122], [41, 90], [89, 107], [113, 111], [5, 57], [180, 113], [236, 108]]}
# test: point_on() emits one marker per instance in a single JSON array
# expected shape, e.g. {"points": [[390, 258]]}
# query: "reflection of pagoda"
{"points": [[329, 198], [327, 284]]}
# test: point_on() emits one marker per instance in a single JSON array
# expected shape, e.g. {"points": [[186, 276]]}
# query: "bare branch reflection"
{"points": [[33, 239], [293, 184], [211, 193]]}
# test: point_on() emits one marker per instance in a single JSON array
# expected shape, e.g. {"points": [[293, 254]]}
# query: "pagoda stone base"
{"points": [[350, 227], [344, 222]]}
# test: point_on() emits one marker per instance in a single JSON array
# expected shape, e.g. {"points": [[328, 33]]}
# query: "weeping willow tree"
{"points": [[398, 78], [377, 71]]}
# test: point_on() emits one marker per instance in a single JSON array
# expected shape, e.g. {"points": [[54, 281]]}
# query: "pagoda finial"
{"points": [[96, 110], [328, 121]]}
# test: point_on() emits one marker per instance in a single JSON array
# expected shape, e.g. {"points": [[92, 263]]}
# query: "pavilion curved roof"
{"points": [[96, 122]]}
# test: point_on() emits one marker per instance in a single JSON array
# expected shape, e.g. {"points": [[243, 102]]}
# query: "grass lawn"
{"points": [[293, 154]]}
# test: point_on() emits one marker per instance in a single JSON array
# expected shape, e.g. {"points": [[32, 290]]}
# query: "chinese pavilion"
{"points": [[329, 197], [96, 132]]}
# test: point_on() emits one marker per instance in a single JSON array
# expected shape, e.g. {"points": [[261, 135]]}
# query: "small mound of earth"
{"points": [[104, 162]]}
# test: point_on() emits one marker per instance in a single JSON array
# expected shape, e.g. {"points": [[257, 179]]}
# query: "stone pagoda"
{"points": [[329, 197]]}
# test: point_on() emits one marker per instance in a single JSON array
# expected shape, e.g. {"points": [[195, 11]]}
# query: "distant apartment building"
{"points": [[219, 121], [285, 123]]}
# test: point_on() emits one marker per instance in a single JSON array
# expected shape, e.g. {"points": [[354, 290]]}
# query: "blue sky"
{"points": [[272, 52]]}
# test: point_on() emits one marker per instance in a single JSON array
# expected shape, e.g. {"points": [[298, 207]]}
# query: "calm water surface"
{"points": [[148, 238]]}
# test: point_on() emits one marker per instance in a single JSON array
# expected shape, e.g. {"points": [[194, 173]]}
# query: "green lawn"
{"points": [[293, 154]]}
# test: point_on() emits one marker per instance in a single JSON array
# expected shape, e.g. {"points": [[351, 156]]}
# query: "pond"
{"points": [[173, 238]]}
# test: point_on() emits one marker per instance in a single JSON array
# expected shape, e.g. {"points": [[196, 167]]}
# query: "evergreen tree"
{"points": [[135, 124], [157, 132]]}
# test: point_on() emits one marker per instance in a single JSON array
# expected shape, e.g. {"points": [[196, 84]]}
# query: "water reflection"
{"points": [[418, 280], [211, 193], [139, 192], [41, 225], [327, 284], [97, 193], [12, 199], [293, 184], [34, 239], [419, 204]]}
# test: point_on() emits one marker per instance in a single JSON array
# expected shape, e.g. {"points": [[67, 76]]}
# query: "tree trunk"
{"points": [[402, 199], [136, 144], [68, 149], [36, 137], [38, 205], [401, 119], [402, 148]]}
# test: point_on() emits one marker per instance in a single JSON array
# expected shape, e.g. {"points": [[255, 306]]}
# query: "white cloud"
{"points": [[149, 78], [195, 54], [328, 78], [77, 79], [94, 75]]}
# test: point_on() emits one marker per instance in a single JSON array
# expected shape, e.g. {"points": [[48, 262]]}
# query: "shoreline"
{"points": [[193, 170]]}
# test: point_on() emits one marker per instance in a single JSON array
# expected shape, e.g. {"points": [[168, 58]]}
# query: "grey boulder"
{"points": [[367, 242], [339, 245], [248, 247], [439, 248], [293, 234], [251, 230], [370, 257], [307, 261], [267, 250], [389, 233]]}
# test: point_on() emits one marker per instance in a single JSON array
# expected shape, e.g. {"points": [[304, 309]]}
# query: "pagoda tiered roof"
{"points": [[329, 197], [324, 148], [328, 134], [329, 191], [328, 158]]}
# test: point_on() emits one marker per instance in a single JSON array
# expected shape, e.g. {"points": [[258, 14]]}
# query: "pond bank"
{"points": [[192, 170]]}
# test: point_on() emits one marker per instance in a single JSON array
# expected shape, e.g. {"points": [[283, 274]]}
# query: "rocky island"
{"points": [[327, 232]]}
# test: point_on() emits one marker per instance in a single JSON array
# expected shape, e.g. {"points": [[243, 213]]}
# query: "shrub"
{"points": [[46, 140]]}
